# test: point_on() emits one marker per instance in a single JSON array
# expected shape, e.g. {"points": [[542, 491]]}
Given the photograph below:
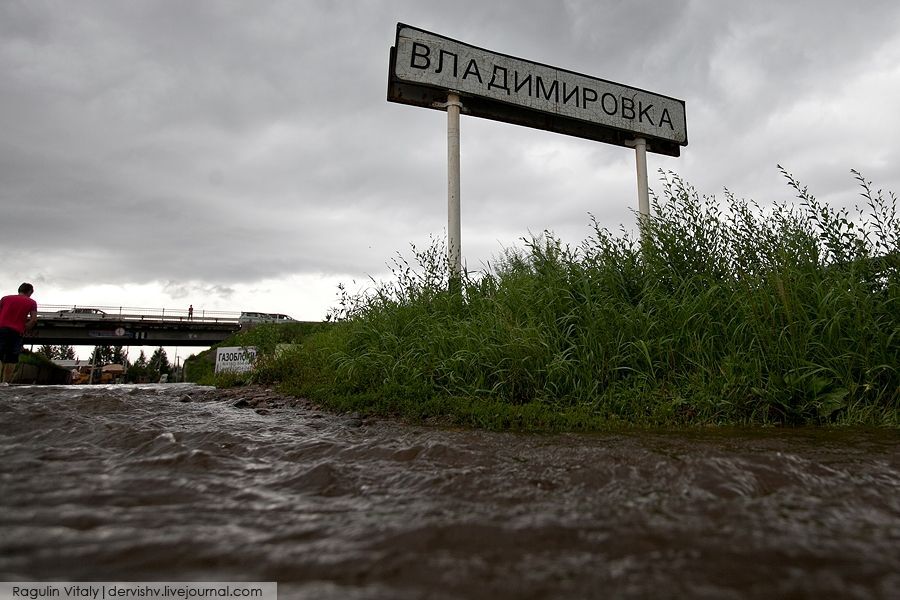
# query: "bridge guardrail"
{"points": [[131, 312]]}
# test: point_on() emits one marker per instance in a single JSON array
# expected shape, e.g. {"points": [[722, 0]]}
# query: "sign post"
{"points": [[643, 186], [454, 227], [433, 71]]}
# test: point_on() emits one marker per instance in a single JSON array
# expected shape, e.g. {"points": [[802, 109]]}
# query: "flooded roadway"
{"points": [[177, 483]]}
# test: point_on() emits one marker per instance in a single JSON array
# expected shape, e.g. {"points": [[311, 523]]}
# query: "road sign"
{"points": [[235, 359], [424, 66]]}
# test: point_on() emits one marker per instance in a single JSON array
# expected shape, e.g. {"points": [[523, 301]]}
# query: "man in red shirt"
{"points": [[18, 313]]}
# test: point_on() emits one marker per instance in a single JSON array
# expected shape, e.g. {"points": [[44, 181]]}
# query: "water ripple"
{"points": [[179, 482]]}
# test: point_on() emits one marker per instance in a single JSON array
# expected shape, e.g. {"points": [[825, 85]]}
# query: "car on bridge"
{"points": [[77, 312], [252, 318]]}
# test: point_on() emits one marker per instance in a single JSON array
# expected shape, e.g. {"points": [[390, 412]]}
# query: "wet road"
{"points": [[174, 482]]}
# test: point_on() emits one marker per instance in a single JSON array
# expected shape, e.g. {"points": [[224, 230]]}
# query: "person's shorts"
{"points": [[10, 345]]}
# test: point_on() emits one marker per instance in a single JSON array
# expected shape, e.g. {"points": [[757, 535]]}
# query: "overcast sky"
{"points": [[242, 155]]}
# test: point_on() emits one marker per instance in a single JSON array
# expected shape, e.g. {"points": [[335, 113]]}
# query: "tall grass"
{"points": [[722, 312], [266, 338]]}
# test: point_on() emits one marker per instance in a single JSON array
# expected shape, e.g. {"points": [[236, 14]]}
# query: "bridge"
{"points": [[128, 326]]}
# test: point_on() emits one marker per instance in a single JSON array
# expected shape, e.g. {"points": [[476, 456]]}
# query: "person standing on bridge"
{"points": [[18, 314]]}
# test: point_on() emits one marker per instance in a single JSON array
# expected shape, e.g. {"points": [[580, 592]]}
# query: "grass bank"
{"points": [[268, 338], [724, 313]]}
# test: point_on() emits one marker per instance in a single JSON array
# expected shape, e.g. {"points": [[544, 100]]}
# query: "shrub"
{"points": [[720, 312]]}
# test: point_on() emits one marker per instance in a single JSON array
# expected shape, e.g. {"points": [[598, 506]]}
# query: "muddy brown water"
{"points": [[179, 483]]}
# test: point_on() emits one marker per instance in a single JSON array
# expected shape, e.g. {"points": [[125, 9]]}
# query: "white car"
{"points": [[248, 318], [81, 313]]}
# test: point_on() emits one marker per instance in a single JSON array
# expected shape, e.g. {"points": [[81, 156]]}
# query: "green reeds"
{"points": [[724, 313]]}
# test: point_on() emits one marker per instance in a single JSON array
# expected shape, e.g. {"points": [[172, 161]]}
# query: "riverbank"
{"points": [[262, 400], [720, 314], [253, 396], [32, 368]]}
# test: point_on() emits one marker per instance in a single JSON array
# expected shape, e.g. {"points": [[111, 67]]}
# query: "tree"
{"points": [[120, 356], [139, 371], [47, 351], [102, 355], [57, 352], [159, 362]]}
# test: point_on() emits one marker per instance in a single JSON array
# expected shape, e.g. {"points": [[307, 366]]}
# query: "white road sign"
{"points": [[235, 359], [527, 93]]}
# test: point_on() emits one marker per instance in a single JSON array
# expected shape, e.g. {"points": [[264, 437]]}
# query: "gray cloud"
{"points": [[204, 145]]}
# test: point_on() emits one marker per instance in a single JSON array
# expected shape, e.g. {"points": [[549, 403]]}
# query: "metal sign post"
{"points": [[643, 187], [454, 242], [426, 68]]}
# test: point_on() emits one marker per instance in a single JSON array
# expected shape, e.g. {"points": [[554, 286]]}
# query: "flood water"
{"points": [[179, 483]]}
